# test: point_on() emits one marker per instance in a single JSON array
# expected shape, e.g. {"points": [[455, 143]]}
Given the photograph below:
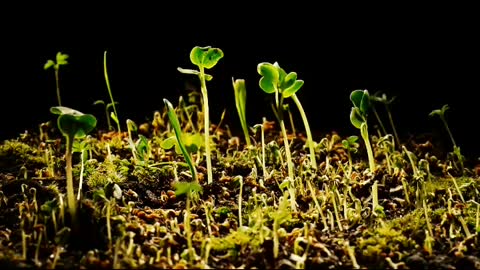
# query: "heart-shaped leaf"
{"points": [[206, 57], [356, 118], [76, 126], [168, 142], [184, 188], [289, 80], [268, 82], [292, 89], [62, 58]]}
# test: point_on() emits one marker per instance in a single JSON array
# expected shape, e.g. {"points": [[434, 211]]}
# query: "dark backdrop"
{"points": [[426, 61]]}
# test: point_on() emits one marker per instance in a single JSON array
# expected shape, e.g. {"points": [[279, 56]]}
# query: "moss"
{"points": [[99, 174], [14, 154]]}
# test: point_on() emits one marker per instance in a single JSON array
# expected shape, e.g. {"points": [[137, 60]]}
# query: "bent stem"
{"points": [[109, 90], [307, 130], [371, 159]]}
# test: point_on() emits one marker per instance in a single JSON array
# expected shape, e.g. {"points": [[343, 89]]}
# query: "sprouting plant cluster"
{"points": [[182, 192]]}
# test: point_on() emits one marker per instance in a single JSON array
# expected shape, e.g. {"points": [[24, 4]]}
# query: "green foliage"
{"points": [[192, 141], [73, 123], [61, 59], [185, 188], [172, 116], [275, 79], [361, 105], [351, 144], [241, 103]]}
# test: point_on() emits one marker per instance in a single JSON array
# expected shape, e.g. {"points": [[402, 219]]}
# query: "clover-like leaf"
{"points": [[62, 58], [270, 77], [206, 57], [356, 117], [292, 89], [49, 64]]}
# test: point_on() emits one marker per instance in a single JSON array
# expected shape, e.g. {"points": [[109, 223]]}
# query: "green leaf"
{"points": [[192, 141], [78, 126], [356, 118], [184, 188], [188, 71], [142, 146], [281, 72], [130, 124], [289, 80], [440, 112], [62, 58], [64, 110], [114, 117], [356, 97], [49, 64], [268, 83], [292, 89], [168, 142], [206, 57]]}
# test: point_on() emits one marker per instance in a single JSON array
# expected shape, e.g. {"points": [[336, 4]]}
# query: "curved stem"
{"points": [[109, 90], [307, 130]]}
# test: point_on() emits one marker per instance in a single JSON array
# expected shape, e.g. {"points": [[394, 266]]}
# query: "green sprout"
{"points": [[240, 102], [73, 124], [172, 116], [383, 99], [114, 114], [107, 108], [456, 149], [188, 189], [358, 118], [61, 59], [276, 80], [351, 145], [204, 58]]}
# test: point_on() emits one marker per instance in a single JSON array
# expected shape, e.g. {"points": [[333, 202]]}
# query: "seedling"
{"points": [[358, 118], [456, 149], [73, 124], [240, 102], [383, 99], [351, 145], [178, 134], [184, 188], [204, 58], [276, 80], [114, 114], [61, 59], [107, 109]]}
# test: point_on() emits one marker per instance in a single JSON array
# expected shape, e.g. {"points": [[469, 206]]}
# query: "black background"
{"points": [[425, 57]]}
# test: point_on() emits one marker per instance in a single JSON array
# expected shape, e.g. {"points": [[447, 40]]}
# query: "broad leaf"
{"points": [[289, 80], [184, 188], [169, 142], [62, 58], [206, 57], [268, 83], [292, 89], [77, 126]]}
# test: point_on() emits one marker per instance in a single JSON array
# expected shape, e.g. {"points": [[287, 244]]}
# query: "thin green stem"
{"points": [[449, 132], [109, 90], [72, 204], [371, 159], [397, 139], [307, 130], [203, 87], [57, 83]]}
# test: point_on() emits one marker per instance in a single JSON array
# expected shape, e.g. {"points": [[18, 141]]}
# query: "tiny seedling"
{"points": [[456, 149], [188, 189], [240, 102], [73, 124], [385, 101], [204, 58], [172, 116], [358, 118], [107, 109], [276, 80], [61, 59], [114, 114], [351, 145]]}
